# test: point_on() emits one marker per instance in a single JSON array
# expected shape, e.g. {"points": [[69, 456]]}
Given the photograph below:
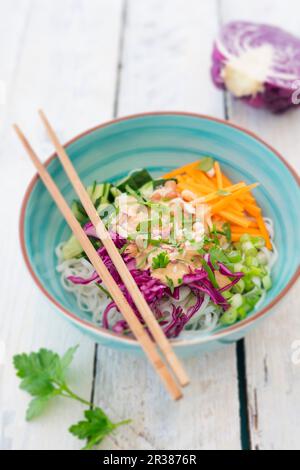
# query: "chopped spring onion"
{"points": [[262, 258], [229, 317], [267, 282], [234, 256], [249, 249], [251, 261], [258, 242], [237, 267], [239, 287], [236, 300]]}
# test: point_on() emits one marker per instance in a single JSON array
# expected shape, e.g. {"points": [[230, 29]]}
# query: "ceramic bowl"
{"points": [[160, 142]]}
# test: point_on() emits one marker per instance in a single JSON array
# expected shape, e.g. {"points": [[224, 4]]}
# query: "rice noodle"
{"points": [[270, 226], [206, 318], [89, 297], [261, 300]]}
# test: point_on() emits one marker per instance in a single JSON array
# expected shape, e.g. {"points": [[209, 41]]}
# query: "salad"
{"points": [[195, 242]]}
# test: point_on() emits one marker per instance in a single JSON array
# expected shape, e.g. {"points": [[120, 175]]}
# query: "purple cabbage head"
{"points": [[275, 71]]}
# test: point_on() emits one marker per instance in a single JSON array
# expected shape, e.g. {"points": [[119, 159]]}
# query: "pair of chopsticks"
{"points": [[150, 348]]}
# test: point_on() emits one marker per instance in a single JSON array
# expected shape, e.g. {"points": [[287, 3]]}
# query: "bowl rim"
{"points": [[107, 333]]}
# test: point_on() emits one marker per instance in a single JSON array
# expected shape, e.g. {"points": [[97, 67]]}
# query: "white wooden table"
{"points": [[84, 62]]}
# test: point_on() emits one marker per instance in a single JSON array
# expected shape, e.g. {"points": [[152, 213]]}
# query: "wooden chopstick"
{"points": [[116, 258], [138, 330]]}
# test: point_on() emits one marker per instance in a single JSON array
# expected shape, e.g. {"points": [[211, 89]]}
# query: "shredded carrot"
{"points": [[249, 198], [181, 170], [218, 175], [202, 186], [237, 207], [264, 231], [235, 237], [251, 223], [252, 209], [227, 200], [251, 231], [213, 179], [183, 186], [201, 177], [196, 188], [179, 177], [235, 218], [240, 205], [208, 198], [216, 194], [235, 187], [190, 183], [233, 210]]}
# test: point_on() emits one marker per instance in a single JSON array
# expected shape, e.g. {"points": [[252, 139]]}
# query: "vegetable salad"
{"points": [[195, 242]]}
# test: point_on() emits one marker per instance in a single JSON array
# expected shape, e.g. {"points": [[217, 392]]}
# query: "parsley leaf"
{"points": [[38, 371], [94, 428], [43, 376], [37, 406], [66, 360], [41, 372], [161, 260]]}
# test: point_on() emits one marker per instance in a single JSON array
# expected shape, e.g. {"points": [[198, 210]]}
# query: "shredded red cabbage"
{"points": [[226, 272], [82, 280], [90, 230]]}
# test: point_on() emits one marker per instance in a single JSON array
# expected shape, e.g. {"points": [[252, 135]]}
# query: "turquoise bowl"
{"points": [[160, 142]]}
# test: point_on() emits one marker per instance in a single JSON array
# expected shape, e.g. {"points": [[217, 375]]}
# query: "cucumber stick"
{"points": [[136, 179], [79, 212], [146, 190], [72, 248], [95, 191], [99, 194]]}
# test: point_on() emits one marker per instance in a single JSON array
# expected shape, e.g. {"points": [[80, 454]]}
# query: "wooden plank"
{"points": [[165, 65], [167, 57], [62, 56], [273, 380]]}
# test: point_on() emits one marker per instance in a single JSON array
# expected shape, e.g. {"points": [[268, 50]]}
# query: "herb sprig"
{"points": [[43, 376], [161, 260]]}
